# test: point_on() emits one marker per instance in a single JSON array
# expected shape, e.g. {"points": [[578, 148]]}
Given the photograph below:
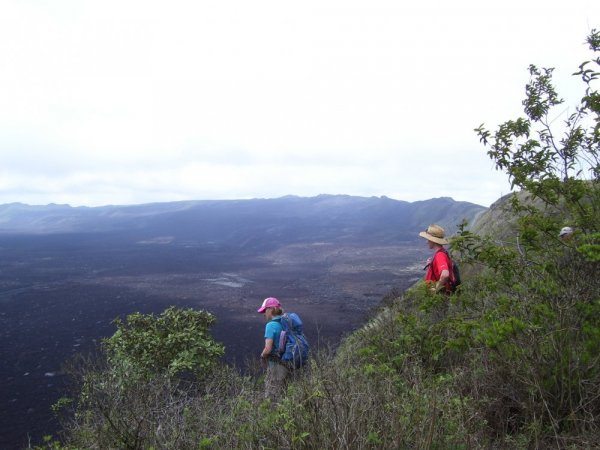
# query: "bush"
{"points": [[176, 341]]}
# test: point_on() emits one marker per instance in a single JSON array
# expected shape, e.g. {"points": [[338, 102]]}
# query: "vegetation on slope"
{"points": [[511, 362]]}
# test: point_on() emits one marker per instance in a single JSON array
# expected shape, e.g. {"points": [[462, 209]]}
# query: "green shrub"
{"points": [[176, 341]]}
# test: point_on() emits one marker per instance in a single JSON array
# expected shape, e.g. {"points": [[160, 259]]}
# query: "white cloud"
{"points": [[130, 101]]}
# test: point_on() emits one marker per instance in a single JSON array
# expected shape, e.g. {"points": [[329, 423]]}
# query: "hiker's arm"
{"points": [[444, 277], [268, 348]]}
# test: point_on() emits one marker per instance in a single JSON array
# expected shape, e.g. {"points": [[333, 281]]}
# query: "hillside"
{"points": [[485, 373], [509, 362], [500, 220]]}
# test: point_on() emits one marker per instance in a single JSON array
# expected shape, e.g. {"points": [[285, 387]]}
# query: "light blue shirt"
{"points": [[273, 331]]}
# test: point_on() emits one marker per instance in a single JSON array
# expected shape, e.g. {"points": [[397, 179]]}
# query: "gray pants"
{"points": [[275, 379]]}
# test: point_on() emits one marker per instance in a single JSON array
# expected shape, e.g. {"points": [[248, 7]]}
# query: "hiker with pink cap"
{"points": [[276, 372]]}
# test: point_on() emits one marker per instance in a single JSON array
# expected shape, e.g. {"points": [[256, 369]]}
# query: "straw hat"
{"points": [[434, 233]]}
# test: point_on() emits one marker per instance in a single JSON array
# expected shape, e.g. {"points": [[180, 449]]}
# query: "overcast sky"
{"points": [[126, 102]]}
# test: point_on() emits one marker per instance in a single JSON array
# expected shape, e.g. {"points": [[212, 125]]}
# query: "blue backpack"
{"points": [[293, 346]]}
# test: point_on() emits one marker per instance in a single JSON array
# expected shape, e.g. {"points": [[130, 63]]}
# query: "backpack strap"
{"points": [[450, 263], [289, 324], [284, 320]]}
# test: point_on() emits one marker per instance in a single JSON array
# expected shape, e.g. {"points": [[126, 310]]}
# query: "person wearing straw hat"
{"points": [[276, 371], [438, 276]]}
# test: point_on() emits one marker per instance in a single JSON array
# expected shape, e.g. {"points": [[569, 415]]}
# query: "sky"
{"points": [[129, 102]]}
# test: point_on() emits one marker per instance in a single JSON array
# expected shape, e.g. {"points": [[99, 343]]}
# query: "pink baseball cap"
{"points": [[270, 302]]}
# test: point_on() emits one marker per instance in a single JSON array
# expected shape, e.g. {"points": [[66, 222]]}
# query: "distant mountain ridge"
{"points": [[247, 222]]}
